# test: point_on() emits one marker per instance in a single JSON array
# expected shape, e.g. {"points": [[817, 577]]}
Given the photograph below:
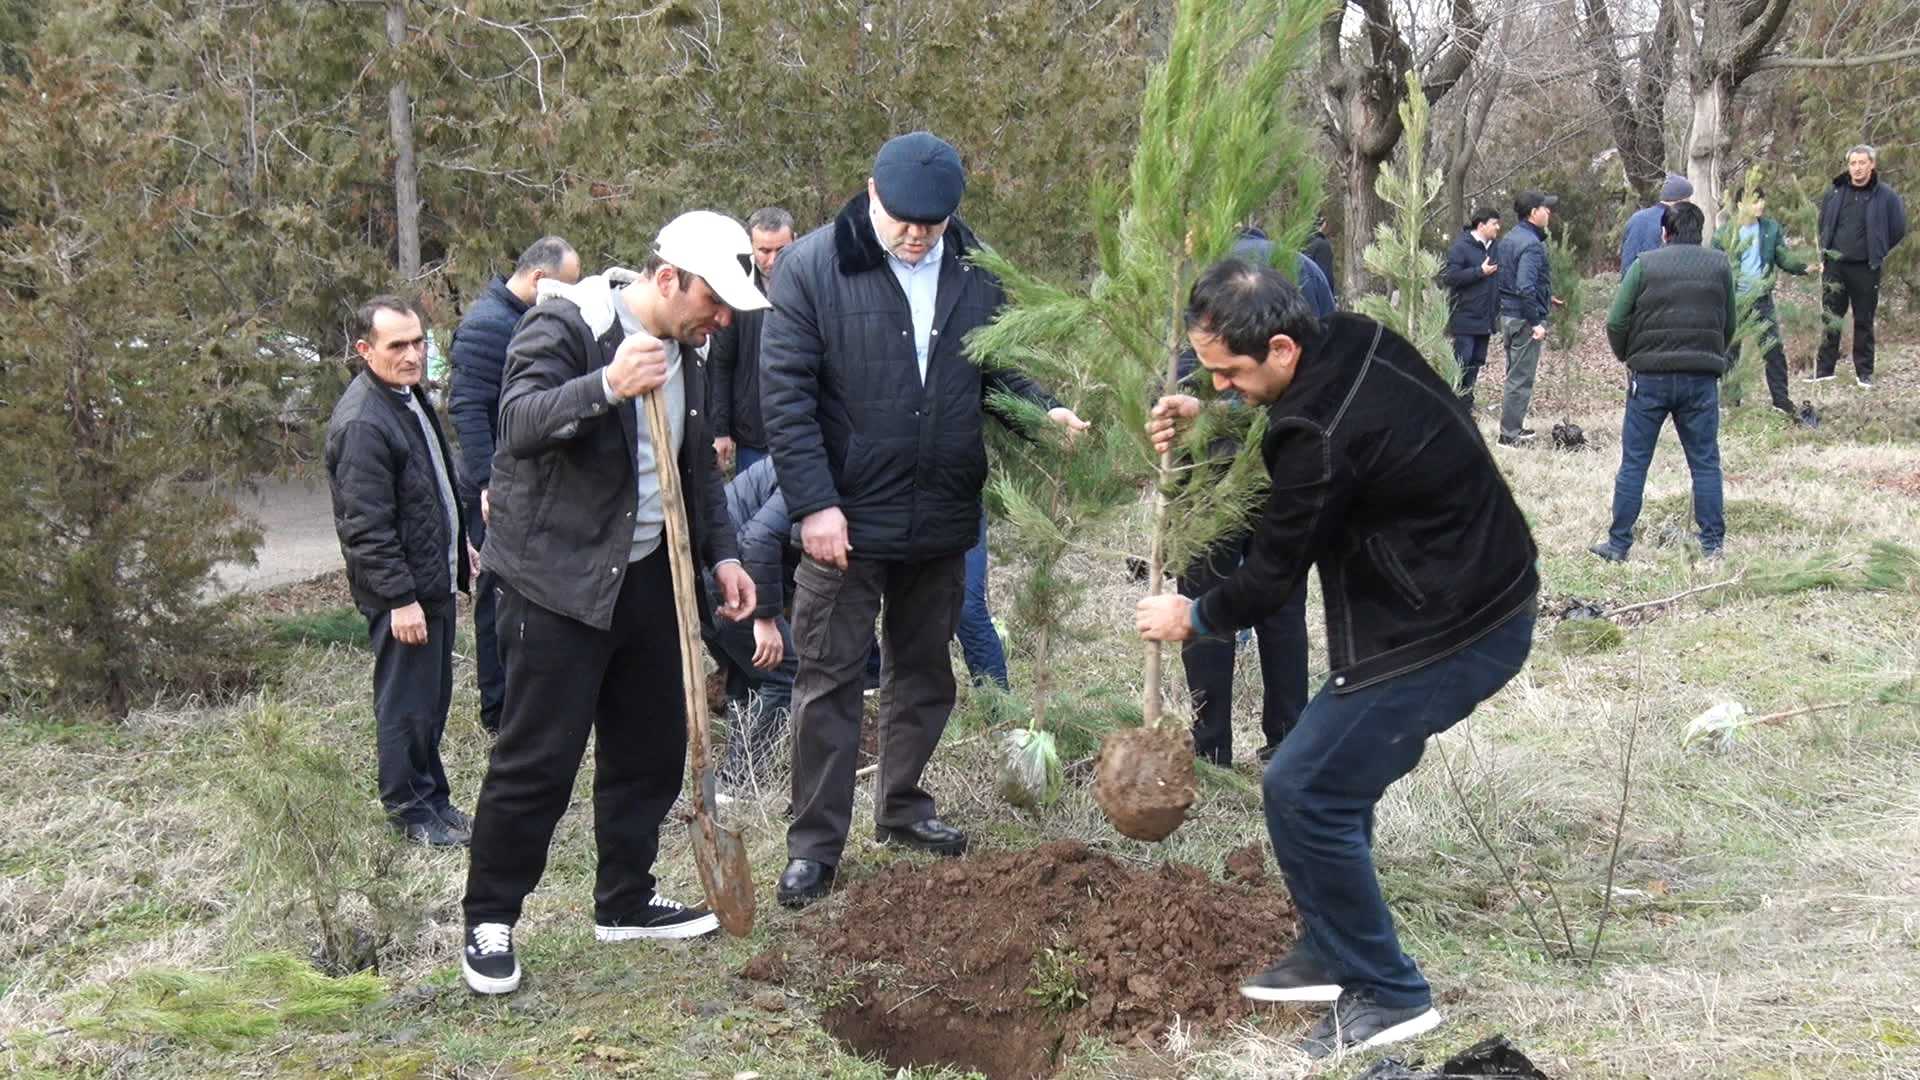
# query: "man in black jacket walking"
{"points": [[590, 638], [1526, 297], [1861, 220], [734, 360], [479, 356], [1428, 570], [406, 552], [874, 419], [1671, 324], [1473, 295]]}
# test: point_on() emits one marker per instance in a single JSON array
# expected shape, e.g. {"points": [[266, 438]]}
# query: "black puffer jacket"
{"points": [[848, 422], [733, 364], [564, 492], [386, 501], [479, 357], [759, 513], [1383, 481], [1473, 296]]}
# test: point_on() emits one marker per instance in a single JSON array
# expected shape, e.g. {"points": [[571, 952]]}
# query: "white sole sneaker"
{"points": [[1298, 993], [692, 928], [482, 984], [1406, 1029]]}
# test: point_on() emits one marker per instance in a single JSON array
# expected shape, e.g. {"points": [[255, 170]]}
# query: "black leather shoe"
{"points": [[930, 835], [803, 882]]}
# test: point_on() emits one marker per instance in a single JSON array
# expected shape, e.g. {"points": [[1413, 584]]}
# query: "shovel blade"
{"points": [[725, 874]]}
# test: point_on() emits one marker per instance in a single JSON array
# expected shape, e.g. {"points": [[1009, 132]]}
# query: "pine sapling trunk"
{"points": [[1042, 671], [1157, 558]]}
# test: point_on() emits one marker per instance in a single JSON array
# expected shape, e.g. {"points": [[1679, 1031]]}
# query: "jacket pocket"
{"points": [[1387, 561]]}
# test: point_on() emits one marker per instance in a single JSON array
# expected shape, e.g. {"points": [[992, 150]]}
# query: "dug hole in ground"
{"points": [[1000, 964]]}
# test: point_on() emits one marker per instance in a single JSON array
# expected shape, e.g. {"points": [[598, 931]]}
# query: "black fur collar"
{"points": [[859, 249]]}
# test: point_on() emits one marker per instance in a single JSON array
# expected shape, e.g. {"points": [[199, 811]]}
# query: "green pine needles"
{"points": [[1415, 306], [1219, 143]]}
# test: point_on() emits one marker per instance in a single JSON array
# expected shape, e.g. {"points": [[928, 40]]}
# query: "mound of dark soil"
{"points": [[1001, 962]]}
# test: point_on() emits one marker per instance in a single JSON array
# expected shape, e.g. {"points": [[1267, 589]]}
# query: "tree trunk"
{"points": [[1365, 209], [1707, 142], [406, 175]]}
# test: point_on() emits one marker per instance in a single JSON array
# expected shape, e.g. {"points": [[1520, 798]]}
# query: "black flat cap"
{"points": [[919, 178], [1531, 200]]}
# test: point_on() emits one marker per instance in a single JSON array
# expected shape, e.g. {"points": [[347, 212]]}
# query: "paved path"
{"points": [[297, 517]]}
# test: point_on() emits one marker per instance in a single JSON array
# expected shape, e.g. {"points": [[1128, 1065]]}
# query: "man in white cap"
{"points": [[585, 608]]}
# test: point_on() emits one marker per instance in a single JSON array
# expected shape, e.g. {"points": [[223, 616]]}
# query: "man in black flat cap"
{"points": [[874, 418]]}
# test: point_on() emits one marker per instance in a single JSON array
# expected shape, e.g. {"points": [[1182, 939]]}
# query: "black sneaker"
{"points": [[455, 818], [1865, 382], [1297, 977], [1608, 552], [661, 920], [434, 834], [488, 964], [1355, 1021]]}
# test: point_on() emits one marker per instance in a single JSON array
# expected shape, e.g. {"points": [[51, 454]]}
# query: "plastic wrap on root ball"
{"points": [[1030, 773]]}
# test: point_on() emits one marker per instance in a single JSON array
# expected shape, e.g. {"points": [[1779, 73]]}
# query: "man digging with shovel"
{"points": [[588, 619], [1383, 481]]}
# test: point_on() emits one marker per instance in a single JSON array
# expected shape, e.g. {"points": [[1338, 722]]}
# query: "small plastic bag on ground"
{"points": [[1030, 773], [1494, 1057]]}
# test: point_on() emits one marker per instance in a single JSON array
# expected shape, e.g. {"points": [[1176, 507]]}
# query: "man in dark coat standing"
{"points": [[400, 528], [586, 592], [479, 356], [1861, 219], [1429, 577], [1473, 295], [1671, 324], [874, 418], [1526, 298], [739, 432]]}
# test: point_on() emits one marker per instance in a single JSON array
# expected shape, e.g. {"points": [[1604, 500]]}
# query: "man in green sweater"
{"points": [[1759, 245], [1671, 324]]}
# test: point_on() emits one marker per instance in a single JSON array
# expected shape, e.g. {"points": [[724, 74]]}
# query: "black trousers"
{"points": [[492, 679], [833, 615], [566, 679], [1282, 639], [1773, 347], [1843, 284], [412, 689]]}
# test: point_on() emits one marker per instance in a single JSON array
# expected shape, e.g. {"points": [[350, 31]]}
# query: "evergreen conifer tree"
{"points": [[1218, 143], [1414, 306]]}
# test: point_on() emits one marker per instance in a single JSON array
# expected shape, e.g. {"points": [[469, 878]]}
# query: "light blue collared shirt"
{"points": [[921, 282]]}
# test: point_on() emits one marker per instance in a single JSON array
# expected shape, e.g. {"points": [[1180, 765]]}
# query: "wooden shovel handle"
{"points": [[685, 589]]}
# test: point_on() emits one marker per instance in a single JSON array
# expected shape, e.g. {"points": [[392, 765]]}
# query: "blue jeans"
{"points": [[979, 641], [1325, 779], [1693, 400], [744, 456]]}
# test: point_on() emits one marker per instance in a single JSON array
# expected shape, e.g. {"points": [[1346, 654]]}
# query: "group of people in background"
{"points": [[827, 431], [1681, 318]]}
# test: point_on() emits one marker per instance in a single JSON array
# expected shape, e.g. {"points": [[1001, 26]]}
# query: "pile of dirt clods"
{"points": [[1001, 963]]}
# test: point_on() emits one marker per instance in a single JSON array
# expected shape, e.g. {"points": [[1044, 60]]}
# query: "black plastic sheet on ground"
{"points": [[1495, 1057]]}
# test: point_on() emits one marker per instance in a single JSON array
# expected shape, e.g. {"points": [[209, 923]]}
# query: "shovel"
{"points": [[717, 851]]}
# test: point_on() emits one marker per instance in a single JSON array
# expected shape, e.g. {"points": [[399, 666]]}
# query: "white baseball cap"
{"points": [[715, 247]]}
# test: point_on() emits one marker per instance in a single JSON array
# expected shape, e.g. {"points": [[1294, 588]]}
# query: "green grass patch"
{"points": [[222, 1009], [329, 626]]}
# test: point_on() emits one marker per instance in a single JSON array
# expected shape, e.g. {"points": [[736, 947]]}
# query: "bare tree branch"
{"points": [[1775, 63]]}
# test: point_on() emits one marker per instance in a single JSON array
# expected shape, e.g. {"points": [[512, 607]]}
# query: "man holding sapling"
{"points": [[874, 417], [1384, 483]]}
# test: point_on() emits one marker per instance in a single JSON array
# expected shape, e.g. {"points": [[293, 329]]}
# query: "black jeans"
{"points": [[565, 680], [1843, 284], [1282, 638], [1774, 348], [833, 613], [1470, 352], [486, 647], [412, 689], [1323, 783]]}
